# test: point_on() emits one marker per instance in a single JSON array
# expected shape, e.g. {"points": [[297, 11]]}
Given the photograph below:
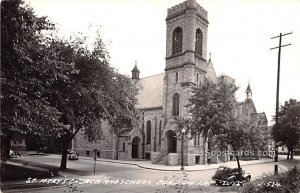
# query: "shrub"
{"points": [[288, 182]]}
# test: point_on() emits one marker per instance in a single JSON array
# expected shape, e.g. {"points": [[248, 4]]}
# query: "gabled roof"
{"points": [[126, 133], [150, 91], [246, 108]]}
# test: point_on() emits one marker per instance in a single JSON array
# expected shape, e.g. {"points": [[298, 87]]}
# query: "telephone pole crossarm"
{"points": [[280, 46], [281, 35]]}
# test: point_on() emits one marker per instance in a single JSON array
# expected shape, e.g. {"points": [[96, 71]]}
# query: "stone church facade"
{"points": [[163, 97]]}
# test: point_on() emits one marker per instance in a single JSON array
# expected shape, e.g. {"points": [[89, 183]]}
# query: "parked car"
{"points": [[14, 154], [228, 176], [72, 155]]}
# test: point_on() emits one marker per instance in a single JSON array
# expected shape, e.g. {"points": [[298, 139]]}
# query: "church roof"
{"points": [[211, 74], [259, 116], [150, 91], [248, 88], [135, 68], [226, 78], [126, 133], [246, 108]]}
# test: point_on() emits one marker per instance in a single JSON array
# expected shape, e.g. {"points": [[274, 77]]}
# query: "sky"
{"points": [[239, 39]]}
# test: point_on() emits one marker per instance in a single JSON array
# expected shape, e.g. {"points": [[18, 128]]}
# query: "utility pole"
{"points": [[277, 93], [182, 151]]}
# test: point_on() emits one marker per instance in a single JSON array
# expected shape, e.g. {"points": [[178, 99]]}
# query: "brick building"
{"points": [[163, 97]]}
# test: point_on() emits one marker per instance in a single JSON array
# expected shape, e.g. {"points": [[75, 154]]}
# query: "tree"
{"points": [[287, 130], [125, 113], [96, 93], [29, 68], [52, 86], [213, 109], [212, 106]]}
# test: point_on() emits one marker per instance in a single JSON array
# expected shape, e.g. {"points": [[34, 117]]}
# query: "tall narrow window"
{"points": [[176, 104], [198, 42], [148, 139], [176, 77], [159, 134], [195, 138], [198, 143], [177, 41], [197, 78]]}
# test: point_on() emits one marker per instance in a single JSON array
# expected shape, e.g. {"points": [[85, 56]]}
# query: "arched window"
{"points": [[198, 42], [148, 130], [177, 41], [123, 148], [176, 104], [159, 134], [176, 77]]}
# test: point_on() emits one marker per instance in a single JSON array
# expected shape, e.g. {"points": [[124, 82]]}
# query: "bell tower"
{"points": [[135, 72], [248, 92], [186, 66], [186, 50]]}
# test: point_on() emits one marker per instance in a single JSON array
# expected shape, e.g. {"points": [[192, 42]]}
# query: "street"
{"points": [[116, 177]]}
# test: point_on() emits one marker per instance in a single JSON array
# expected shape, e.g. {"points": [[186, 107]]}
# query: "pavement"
{"points": [[146, 164]]}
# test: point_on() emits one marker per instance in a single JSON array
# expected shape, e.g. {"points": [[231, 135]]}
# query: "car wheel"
{"points": [[247, 179], [232, 179]]}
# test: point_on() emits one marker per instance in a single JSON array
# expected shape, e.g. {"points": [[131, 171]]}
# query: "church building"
{"points": [[163, 97]]}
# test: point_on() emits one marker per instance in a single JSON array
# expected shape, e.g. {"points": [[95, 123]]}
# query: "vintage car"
{"points": [[228, 176], [72, 155], [13, 154]]}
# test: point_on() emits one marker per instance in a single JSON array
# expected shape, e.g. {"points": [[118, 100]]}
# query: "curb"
{"points": [[160, 169], [196, 170]]}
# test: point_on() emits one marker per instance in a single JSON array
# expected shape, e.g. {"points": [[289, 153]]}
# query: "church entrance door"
{"points": [[135, 147], [171, 141]]}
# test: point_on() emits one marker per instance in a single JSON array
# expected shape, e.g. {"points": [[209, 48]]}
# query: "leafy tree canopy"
{"points": [[212, 107], [287, 130], [53, 86], [30, 66]]}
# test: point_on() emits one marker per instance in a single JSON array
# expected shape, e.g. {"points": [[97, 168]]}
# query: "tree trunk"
{"points": [[292, 153], [117, 148], [63, 164], [288, 153], [5, 147], [67, 139], [239, 168], [65, 145], [143, 148]]}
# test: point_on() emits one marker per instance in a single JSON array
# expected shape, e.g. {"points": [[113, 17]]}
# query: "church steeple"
{"points": [[135, 72], [248, 92], [209, 60]]}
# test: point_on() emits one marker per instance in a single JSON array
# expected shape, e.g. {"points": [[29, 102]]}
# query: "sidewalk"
{"points": [[146, 164]]}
